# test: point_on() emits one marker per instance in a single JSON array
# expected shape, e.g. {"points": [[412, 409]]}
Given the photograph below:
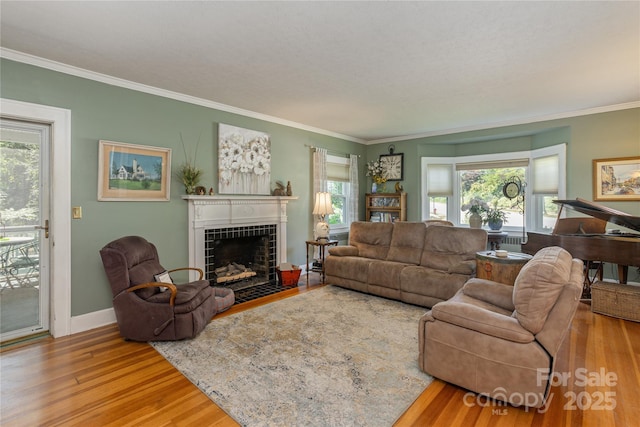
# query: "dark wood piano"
{"points": [[586, 239]]}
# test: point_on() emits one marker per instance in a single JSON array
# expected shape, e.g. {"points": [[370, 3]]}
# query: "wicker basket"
{"points": [[617, 300], [288, 277]]}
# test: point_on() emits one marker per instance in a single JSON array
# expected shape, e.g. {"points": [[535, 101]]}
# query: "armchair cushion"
{"points": [[187, 292], [481, 320], [495, 293], [538, 286]]}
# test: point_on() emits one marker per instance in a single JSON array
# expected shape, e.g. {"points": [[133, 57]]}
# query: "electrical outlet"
{"points": [[76, 212]]}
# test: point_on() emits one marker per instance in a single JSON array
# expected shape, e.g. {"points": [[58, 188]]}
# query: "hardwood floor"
{"points": [[95, 378]]}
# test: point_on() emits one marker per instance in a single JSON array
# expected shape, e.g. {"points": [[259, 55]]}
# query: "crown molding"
{"points": [[115, 81], [565, 115]]}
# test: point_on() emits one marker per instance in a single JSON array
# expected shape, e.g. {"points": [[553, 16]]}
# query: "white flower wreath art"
{"points": [[244, 161]]}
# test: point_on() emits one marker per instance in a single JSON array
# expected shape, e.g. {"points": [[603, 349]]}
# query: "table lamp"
{"points": [[322, 207]]}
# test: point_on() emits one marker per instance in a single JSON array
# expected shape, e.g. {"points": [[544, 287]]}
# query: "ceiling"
{"points": [[370, 71]]}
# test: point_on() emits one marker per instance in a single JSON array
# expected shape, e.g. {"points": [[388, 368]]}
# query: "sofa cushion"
{"points": [[371, 238], [538, 286], [347, 267], [407, 241], [419, 280], [385, 274], [447, 247]]}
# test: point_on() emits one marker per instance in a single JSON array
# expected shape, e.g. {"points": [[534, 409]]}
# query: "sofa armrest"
{"points": [[495, 293], [464, 267], [343, 251], [480, 320]]}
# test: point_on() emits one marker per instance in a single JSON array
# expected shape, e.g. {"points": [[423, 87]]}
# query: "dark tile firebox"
{"points": [[251, 246]]}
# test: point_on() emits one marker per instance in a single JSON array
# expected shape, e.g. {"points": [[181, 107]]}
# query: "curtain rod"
{"points": [[330, 151]]}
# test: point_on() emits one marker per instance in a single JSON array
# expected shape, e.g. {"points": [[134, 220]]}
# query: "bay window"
{"points": [[450, 183]]}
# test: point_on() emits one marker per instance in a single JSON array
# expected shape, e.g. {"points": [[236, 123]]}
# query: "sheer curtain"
{"points": [[354, 209], [319, 179]]}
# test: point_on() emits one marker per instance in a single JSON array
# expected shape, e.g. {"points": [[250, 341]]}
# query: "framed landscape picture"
{"points": [[128, 172], [616, 179]]}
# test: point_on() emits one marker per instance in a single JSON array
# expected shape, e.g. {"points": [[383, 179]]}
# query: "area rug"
{"points": [[330, 357]]}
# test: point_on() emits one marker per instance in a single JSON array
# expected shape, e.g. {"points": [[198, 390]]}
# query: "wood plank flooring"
{"points": [[97, 379]]}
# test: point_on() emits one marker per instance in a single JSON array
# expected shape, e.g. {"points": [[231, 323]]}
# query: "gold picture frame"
{"points": [[129, 172], [616, 179]]}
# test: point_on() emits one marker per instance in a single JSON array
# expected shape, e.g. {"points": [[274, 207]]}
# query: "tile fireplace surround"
{"points": [[225, 211]]}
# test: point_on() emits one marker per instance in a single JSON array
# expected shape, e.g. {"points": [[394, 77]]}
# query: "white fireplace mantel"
{"points": [[223, 211]]}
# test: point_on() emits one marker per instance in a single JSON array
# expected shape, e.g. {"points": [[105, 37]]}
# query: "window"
{"points": [[449, 183], [339, 187]]}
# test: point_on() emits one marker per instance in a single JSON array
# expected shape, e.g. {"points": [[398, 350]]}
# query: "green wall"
{"points": [[101, 111]]}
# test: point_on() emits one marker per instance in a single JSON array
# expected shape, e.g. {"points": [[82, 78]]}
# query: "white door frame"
{"points": [[60, 211]]}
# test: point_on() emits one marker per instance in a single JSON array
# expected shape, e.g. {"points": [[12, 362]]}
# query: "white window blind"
{"points": [[337, 168], [439, 180], [545, 175]]}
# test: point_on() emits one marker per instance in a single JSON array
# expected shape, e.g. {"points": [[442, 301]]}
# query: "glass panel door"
{"points": [[24, 197]]}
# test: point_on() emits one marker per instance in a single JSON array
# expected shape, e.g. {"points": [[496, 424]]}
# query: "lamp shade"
{"points": [[323, 205]]}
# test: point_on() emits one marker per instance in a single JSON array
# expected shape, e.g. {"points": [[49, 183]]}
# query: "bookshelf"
{"points": [[386, 207]]}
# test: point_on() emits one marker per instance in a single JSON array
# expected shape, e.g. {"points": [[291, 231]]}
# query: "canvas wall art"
{"points": [[244, 161]]}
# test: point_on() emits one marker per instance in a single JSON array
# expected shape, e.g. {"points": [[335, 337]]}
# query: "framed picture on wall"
{"points": [[128, 172], [616, 179], [392, 166]]}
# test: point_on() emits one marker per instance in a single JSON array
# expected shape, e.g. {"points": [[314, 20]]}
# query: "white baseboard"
{"points": [[92, 320]]}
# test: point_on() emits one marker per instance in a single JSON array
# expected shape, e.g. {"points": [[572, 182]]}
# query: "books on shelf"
{"points": [[383, 217]]}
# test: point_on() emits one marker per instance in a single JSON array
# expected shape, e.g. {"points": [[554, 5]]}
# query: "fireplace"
{"points": [[214, 222], [240, 257]]}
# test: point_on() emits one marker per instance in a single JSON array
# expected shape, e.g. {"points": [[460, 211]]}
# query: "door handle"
{"points": [[45, 228]]}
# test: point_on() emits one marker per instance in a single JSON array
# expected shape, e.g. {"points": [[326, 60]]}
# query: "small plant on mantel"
{"points": [[188, 172]]}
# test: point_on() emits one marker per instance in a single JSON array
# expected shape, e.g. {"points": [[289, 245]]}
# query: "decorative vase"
{"points": [[495, 224], [475, 220], [374, 188]]}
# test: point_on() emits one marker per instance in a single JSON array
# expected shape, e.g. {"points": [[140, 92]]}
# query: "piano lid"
{"points": [[602, 212]]}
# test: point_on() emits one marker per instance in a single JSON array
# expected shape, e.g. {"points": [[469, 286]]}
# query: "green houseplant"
{"points": [[495, 217]]}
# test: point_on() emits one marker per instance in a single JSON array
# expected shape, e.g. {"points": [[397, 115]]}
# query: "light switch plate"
{"points": [[76, 212]]}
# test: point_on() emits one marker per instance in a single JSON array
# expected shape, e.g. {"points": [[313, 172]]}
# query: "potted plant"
{"points": [[495, 217], [374, 170], [475, 209], [188, 172]]}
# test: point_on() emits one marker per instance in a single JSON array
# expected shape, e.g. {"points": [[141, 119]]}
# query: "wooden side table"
{"points": [[498, 269], [322, 245]]}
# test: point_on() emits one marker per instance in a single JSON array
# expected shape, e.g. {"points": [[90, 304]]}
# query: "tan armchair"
{"points": [[148, 305], [501, 341]]}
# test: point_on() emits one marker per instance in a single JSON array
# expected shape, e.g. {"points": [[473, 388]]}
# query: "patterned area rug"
{"points": [[330, 357]]}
